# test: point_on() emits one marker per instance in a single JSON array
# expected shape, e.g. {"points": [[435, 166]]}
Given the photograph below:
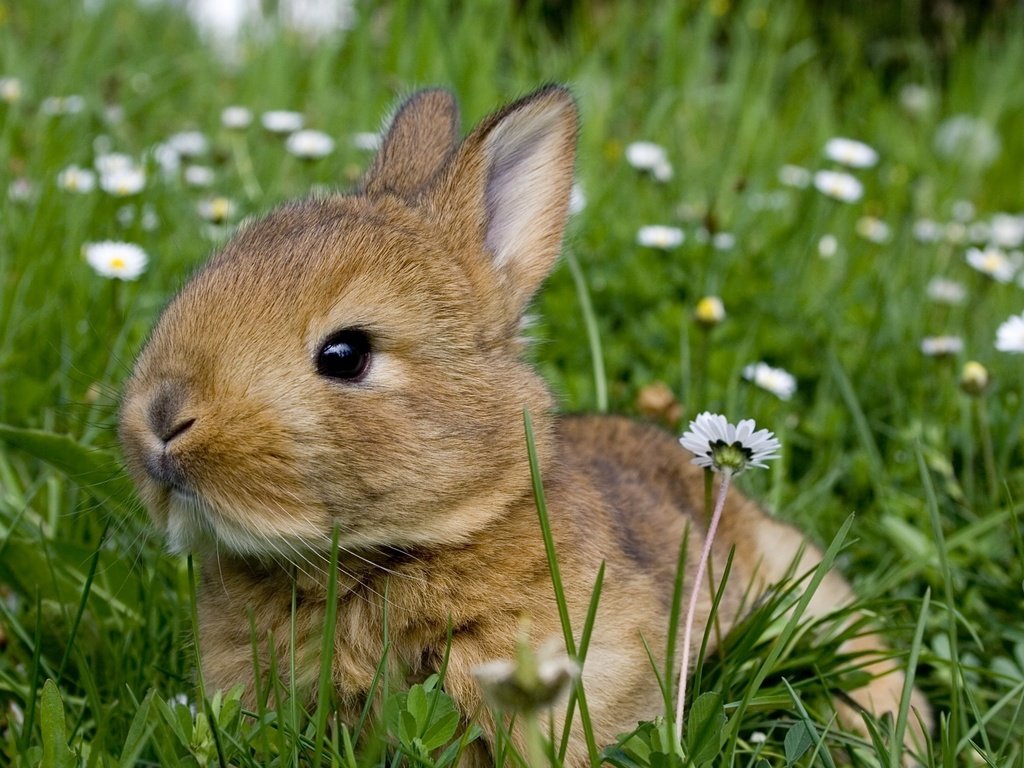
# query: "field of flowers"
{"points": [[784, 212]]}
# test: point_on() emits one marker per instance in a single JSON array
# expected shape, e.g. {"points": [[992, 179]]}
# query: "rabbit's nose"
{"points": [[165, 413]]}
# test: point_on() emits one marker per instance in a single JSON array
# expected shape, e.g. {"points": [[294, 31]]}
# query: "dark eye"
{"points": [[345, 355]]}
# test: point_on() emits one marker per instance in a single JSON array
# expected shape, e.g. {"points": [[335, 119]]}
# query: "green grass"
{"points": [[732, 92]]}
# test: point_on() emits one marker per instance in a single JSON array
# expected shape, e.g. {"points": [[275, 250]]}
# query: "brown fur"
{"points": [[241, 449]]}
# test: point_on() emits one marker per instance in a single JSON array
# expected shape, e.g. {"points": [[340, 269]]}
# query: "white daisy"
{"points": [[1007, 230], [123, 182], [110, 162], [645, 155], [873, 229], [660, 236], [942, 346], [1010, 335], [216, 209], [794, 176], [963, 210], [927, 231], [828, 246], [189, 143], [710, 311], [993, 262], [236, 118], [723, 241], [716, 444], [969, 140], [851, 153], [577, 199], [779, 382], [199, 175], [368, 141], [915, 98], [974, 378], [10, 89], [839, 186], [282, 121], [75, 179], [310, 145], [945, 291], [124, 261]]}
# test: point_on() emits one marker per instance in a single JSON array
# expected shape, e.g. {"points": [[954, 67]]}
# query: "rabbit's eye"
{"points": [[345, 355]]}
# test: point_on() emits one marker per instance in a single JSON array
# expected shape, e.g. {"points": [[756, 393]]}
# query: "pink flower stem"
{"points": [[691, 608]]}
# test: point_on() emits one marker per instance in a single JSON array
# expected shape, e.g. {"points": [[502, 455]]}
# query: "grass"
{"points": [[95, 621]]}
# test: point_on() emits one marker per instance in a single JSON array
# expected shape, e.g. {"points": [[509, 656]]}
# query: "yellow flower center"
{"points": [[117, 263]]}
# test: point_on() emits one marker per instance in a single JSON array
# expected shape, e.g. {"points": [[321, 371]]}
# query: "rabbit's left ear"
{"points": [[421, 136], [508, 188]]}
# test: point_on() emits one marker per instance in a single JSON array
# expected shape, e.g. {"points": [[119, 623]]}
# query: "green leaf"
{"points": [[798, 741], [138, 733], [55, 739], [441, 729], [416, 704], [97, 471], [704, 728]]}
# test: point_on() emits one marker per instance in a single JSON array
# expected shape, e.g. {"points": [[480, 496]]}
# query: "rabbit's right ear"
{"points": [[421, 136]]}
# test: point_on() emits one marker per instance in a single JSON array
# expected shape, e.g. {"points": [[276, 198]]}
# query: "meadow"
{"points": [[877, 280]]}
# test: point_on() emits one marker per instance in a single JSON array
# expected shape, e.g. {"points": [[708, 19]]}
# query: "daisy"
{"points": [[873, 229], [723, 241], [927, 231], [123, 182], [189, 143], [124, 261], [710, 311], [577, 199], [199, 175], [716, 444], [534, 680], [794, 176], [915, 98], [945, 291], [660, 236], [216, 209], [10, 89], [974, 379], [282, 121], [839, 186], [1010, 335], [993, 262], [942, 346], [236, 118], [969, 140], [368, 141], [309, 145], [1007, 230], [110, 162], [851, 153], [779, 382], [828, 246], [650, 157], [75, 179]]}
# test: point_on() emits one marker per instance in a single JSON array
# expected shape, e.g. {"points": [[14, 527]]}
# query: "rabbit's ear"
{"points": [[421, 136], [509, 186]]}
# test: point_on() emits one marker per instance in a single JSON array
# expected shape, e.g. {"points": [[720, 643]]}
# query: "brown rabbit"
{"points": [[354, 361]]}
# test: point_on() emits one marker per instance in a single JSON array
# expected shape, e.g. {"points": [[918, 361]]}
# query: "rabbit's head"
{"points": [[355, 360]]}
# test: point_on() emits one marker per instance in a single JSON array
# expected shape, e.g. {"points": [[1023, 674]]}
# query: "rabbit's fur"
{"points": [[240, 448]]}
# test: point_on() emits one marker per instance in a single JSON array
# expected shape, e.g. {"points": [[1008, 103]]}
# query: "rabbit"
{"points": [[354, 362]]}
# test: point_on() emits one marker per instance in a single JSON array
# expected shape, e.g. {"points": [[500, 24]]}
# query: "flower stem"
{"points": [[691, 608]]}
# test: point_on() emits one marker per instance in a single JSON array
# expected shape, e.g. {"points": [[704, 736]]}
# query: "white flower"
{"points": [[236, 118], [1010, 335], [955, 232], [716, 444], [123, 182], [839, 186], [851, 153], [969, 140], [367, 141], [992, 262], [794, 176], [62, 105], [710, 311], [915, 98], [963, 210], [1007, 230], [723, 241], [75, 179], [828, 246], [282, 121], [945, 291], [10, 89], [873, 229], [125, 261], [645, 155], [167, 158], [110, 162], [216, 209], [533, 681], [942, 346], [199, 175], [779, 382], [979, 231], [189, 143], [927, 231], [659, 236], [758, 737], [310, 145], [577, 199]]}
